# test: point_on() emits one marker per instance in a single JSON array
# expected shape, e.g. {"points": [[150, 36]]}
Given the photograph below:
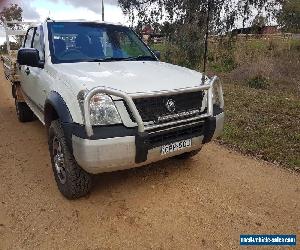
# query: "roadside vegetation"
{"points": [[261, 82], [262, 85]]}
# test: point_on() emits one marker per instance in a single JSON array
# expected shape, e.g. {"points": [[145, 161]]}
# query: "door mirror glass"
{"points": [[29, 57], [157, 54]]}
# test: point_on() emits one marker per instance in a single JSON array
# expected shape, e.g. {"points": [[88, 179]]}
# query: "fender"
{"points": [[56, 106], [60, 106]]}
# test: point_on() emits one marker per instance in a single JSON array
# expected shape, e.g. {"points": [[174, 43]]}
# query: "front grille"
{"points": [[152, 108], [177, 134]]}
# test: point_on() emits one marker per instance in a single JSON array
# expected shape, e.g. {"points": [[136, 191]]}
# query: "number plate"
{"points": [[176, 146]]}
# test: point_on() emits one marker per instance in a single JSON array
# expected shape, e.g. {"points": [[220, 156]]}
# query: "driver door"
{"points": [[31, 80]]}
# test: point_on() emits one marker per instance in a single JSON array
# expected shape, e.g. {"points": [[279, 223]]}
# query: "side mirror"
{"points": [[157, 54], [29, 57]]}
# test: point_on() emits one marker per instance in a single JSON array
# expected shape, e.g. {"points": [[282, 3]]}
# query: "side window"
{"points": [[38, 42], [28, 38]]}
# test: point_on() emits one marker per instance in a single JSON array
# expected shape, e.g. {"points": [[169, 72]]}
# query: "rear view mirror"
{"points": [[29, 57], [157, 54]]}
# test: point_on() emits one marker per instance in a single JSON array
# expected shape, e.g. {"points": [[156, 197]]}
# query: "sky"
{"points": [[39, 10]]}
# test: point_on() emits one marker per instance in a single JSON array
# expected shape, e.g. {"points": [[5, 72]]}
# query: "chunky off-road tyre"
{"points": [[72, 181], [24, 113], [188, 155]]}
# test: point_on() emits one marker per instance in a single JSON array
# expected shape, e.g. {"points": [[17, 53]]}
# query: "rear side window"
{"points": [[28, 39]]}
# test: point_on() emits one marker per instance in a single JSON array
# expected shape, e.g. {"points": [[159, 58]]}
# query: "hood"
{"points": [[127, 76]]}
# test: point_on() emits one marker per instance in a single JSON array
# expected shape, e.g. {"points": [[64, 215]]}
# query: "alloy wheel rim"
{"points": [[17, 108], [58, 158]]}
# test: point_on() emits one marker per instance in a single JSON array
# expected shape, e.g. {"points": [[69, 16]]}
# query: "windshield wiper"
{"points": [[108, 59], [140, 58], [133, 58]]}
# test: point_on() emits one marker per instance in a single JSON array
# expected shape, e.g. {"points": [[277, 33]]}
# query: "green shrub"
{"points": [[294, 45], [221, 57], [258, 82]]}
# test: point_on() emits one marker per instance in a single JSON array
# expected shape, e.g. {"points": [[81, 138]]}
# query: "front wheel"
{"points": [[72, 181]]}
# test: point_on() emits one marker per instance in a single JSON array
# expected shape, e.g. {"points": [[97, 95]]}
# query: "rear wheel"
{"points": [[24, 113], [72, 181]]}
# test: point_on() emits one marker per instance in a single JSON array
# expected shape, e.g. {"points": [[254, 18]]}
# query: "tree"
{"points": [[258, 24], [188, 19], [259, 21], [289, 16], [12, 13]]}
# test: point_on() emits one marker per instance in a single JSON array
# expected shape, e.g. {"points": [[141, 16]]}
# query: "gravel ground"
{"points": [[202, 203]]}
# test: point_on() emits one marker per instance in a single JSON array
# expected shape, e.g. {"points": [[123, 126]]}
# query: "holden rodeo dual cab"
{"points": [[107, 101]]}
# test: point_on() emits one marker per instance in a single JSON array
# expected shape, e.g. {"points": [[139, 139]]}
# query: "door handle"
{"points": [[27, 71]]}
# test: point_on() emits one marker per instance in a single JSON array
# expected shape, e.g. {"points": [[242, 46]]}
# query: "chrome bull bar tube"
{"points": [[220, 90], [103, 90], [129, 100]]}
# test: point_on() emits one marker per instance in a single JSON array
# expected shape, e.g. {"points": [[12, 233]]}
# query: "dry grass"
{"points": [[263, 123], [262, 100], [276, 62]]}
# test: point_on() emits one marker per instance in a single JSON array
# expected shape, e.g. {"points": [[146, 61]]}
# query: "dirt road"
{"points": [[202, 203]]}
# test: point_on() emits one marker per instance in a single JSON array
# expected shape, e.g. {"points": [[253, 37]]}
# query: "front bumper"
{"points": [[138, 149]]}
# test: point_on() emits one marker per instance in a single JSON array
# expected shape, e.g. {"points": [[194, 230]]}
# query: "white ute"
{"points": [[107, 101]]}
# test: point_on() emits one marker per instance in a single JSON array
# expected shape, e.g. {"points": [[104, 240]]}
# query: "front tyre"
{"points": [[72, 181]]}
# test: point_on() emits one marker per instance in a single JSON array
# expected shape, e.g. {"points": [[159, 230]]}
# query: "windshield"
{"points": [[93, 42]]}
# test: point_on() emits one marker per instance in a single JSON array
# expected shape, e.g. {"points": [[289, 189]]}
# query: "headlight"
{"points": [[217, 94], [103, 111]]}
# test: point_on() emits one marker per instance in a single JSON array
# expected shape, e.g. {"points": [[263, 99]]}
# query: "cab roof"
{"points": [[84, 21]]}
